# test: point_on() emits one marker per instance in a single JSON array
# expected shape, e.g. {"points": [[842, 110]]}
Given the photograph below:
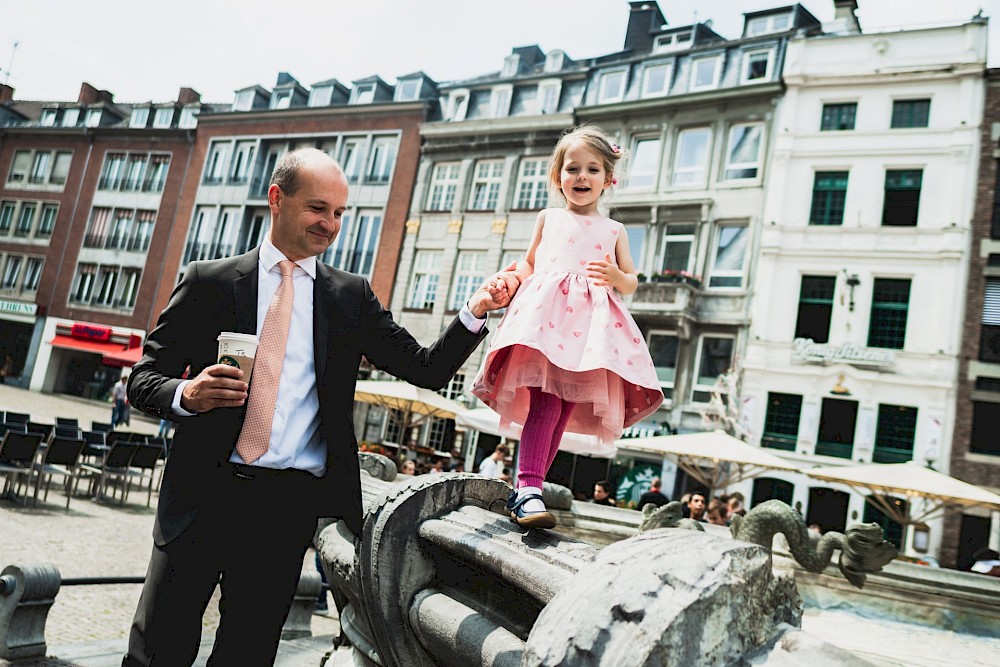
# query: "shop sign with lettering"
{"points": [[18, 308], [90, 332], [805, 349]]}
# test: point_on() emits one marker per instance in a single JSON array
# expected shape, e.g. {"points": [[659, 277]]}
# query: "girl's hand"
{"points": [[606, 273]]}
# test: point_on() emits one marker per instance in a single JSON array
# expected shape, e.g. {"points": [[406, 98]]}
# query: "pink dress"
{"points": [[570, 338]]}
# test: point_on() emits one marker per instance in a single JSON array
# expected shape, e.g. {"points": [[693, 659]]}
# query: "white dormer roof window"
{"points": [[554, 61], [164, 117], [409, 90], [364, 94], [94, 117], [48, 118], [283, 100], [611, 86], [510, 65], [458, 104], [189, 118], [677, 41], [548, 95], [244, 100], [500, 101], [140, 117], [71, 117], [763, 25], [320, 96]]}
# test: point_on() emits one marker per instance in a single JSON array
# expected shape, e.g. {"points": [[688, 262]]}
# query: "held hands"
{"points": [[496, 292], [607, 274], [218, 386]]}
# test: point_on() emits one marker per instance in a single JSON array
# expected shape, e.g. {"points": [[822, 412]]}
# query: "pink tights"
{"points": [[543, 430]]}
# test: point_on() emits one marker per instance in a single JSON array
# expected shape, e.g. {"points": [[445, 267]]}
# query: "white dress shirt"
{"points": [[295, 439]]}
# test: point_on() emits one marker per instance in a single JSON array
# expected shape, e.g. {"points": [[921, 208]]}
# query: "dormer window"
{"points": [[656, 79], [48, 118], [548, 95], [458, 104], [320, 96], [364, 94], [244, 100], [71, 117], [757, 66], [163, 117], [94, 117], [612, 87], [510, 65], [554, 61], [675, 42], [283, 100], [500, 101], [189, 118], [140, 117], [705, 73], [763, 25], [409, 90]]}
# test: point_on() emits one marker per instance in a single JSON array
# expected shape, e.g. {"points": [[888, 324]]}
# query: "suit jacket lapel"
{"points": [[322, 303], [245, 293]]}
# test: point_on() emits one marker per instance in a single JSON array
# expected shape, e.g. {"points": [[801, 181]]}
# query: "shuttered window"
{"points": [[991, 302]]}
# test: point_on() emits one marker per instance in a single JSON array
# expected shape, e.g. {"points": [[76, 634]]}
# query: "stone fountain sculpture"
{"points": [[441, 577]]}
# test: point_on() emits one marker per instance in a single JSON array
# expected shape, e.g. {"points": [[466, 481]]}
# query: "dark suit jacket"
{"points": [[348, 322]]}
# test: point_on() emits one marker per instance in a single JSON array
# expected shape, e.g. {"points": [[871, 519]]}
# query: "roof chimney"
{"points": [[91, 95], [644, 19], [6, 93], [188, 96], [845, 16]]}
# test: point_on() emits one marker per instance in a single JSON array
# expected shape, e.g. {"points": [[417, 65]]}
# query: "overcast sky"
{"points": [[142, 50]]}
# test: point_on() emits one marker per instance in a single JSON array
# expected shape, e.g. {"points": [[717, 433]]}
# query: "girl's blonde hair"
{"points": [[595, 139]]}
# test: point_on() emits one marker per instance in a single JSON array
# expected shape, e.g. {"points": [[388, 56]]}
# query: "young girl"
{"points": [[567, 355]]}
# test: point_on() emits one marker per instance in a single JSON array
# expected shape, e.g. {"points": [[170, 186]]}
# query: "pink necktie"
{"points": [[255, 438]]}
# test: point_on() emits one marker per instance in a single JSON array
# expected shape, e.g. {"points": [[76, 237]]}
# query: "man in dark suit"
{"points": [[654, 496], [244, 520]]}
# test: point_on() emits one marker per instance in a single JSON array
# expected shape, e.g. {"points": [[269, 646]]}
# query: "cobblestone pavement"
{"points": [[90, 539]]}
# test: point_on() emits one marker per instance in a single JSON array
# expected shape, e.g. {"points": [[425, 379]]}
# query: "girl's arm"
{"points": [[527, 265], [621, 277]]}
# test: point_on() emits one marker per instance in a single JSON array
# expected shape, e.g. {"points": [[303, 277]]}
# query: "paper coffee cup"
{"points": [[239, 350]]}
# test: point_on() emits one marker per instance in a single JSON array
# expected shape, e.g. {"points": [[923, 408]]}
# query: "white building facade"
{"points": [[857, 311]]}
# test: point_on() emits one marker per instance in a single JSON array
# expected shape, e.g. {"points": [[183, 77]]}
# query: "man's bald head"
{"points": [[286, 172]]}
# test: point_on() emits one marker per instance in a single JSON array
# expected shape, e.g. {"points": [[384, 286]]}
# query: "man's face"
{"points": [[306, 223], [697, 505], [599, 492]]}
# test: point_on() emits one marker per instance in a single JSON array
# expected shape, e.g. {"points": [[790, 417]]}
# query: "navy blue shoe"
{"points": [[531, 520], [511, 500]]}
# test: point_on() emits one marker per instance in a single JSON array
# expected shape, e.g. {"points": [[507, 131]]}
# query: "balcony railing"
{"points": [[93, 241], [675, 298], [154, 185], [213, 180], [260, 186], [199, 251], [109, 183], [891, 455], [837, 449], [139, 244]]}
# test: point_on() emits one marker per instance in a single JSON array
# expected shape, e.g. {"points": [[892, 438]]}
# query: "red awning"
{"points": [[121, 359], [95, 346]]}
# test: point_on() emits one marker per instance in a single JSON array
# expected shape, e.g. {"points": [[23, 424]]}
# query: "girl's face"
{"points": [[582, 177]]}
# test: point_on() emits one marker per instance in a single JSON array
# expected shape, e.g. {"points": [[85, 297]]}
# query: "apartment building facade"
{"points": [[854, 346]]}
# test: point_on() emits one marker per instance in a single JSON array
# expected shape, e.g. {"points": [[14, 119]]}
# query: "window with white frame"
{"points": [[381, 160], [283, 100], [644, 164], [100, 219], [364, 94], [486, 185], [554, 61], [500, 101], [510, 65], [426, 275], [122, 221], [470, 272], [134, 172], [26, 219], [11, 272], [365, 242], [338, 254], [156, 177], [129, 288], [70, 117], [636, 235], [664, 347], [107, 280], [48, 118], [743, 158], [455, 388], [215, 168], [409, 90], [40, 167], [761, 25], [112, 172], [611, 87], [7, 209], [678, 247], [32, 274], [142, 233], [83, 285], [757, 65], [164, 117], [532, 184], [441, 433], [140, 117], [320, 96], [94, 117], [715, 357], [673, 42], [444, 184], [692, 155], [548, 94], [48, 220], [189, 118], [729, 259], [458, 104], [656, 79], [244, 100], [242, 161], [705, 73], [19, 167], [351, 154]]}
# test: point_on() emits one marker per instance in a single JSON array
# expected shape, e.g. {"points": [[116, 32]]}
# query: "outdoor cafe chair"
{"points": [[95, 444], [67, 421], [72, 432], [142, 468], [17, 418], [103, 427], [17, 457], [37, 427], [61, 457], [114, 466], [17, 427]]}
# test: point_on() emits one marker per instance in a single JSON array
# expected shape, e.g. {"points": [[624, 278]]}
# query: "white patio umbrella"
{"points": [[415, 403], [731, 460], [485, 420]]}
